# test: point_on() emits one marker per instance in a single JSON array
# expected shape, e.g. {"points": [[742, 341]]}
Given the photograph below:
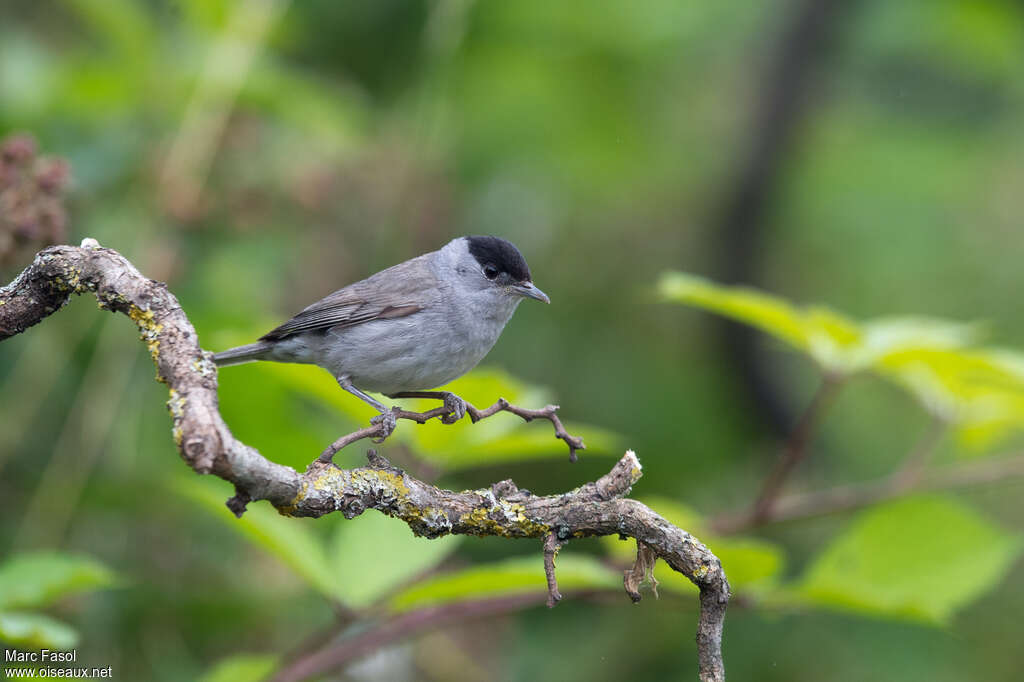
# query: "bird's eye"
{"points": [[490, 272]]}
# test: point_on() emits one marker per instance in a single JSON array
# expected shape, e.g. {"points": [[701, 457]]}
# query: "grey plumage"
{"points": [[414, 326]]}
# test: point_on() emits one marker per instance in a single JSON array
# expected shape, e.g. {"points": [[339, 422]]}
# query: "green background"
{"points": [[259, 155]]}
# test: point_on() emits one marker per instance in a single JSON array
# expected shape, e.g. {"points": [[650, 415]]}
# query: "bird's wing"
{"points": [[400, 290]]}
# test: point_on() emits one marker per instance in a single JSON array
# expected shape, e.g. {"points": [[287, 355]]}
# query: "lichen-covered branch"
{"points": [[207, 445]]}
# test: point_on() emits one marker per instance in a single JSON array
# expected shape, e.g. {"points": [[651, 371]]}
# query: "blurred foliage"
{"points": [[980, 390], [242, 668], [503, 578], [35, 580], [258, 155], [920, 558], [839, 345]]}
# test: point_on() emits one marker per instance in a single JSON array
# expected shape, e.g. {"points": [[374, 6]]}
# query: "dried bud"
{"points": [[32, 212], [18, 149], [52, 175]]}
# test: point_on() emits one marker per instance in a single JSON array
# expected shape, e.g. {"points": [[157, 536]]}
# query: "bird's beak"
{"points": [[527, 290]]}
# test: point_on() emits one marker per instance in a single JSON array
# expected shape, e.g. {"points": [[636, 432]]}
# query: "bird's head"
{"points": [[494, 264]]}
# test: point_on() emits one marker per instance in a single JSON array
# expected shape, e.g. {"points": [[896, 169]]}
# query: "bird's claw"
{"points": [[456, 407], [387, 421]]}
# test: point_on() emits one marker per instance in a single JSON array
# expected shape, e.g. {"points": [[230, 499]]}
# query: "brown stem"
{"points": [[859, 495], [796, 447], [547, 412], [337, 654], [916, 461], [380, 430]]}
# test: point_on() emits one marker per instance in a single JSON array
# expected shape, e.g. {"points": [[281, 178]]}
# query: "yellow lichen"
{"points": [[289, 509], [149, 330], [513, 522], [176, 406], [204, 367]]}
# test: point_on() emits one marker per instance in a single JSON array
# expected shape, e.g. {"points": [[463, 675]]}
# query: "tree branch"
{"points": [[207, 445]]}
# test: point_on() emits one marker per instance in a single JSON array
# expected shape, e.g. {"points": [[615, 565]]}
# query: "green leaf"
{"points": [[837, 343], [290, 540], [36, 631], [770, 314], [980, 391], [751, 564], [372, 554], [242, 668], [37, 579], [502, 578], [920, 558]]}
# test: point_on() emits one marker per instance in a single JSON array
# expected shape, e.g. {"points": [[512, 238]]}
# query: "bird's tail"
{"points": [[247, 353]]}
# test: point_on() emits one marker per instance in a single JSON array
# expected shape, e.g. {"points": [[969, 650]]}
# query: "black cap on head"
{"points": [[501, 254]]}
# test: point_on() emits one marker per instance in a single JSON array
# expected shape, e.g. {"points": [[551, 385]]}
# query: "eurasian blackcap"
{"points": [[415, 326]]}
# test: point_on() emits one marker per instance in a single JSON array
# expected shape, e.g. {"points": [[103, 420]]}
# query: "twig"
{"points": [[338, 653], [796, 447], [548, 412], [916, 461], [379, 430], [207, 445], [855, 496], [551, 547]]}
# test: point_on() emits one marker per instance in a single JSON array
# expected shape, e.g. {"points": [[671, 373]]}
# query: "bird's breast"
{"points": [[417, 352]]}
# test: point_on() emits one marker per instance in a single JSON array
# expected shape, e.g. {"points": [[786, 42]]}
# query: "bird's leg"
{"points": [[386, 418], [455, 405], [346, 384]]}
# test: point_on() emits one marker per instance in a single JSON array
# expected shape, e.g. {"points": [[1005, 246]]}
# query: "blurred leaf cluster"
{"points": [[902, 559], [33, 581], [979, 390]]}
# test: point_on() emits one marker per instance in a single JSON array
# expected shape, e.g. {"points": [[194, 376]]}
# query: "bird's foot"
{"points": [[456, 407], [386, 423]]}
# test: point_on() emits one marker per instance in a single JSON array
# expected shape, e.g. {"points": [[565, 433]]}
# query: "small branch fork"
{"points": [[207, 445], [380, 429]]}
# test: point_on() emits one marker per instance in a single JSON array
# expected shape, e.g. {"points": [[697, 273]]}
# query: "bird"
{"points": [[412, 327]]}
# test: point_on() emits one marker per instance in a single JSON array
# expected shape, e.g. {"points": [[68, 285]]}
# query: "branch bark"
{"points": [[207, 445]]}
